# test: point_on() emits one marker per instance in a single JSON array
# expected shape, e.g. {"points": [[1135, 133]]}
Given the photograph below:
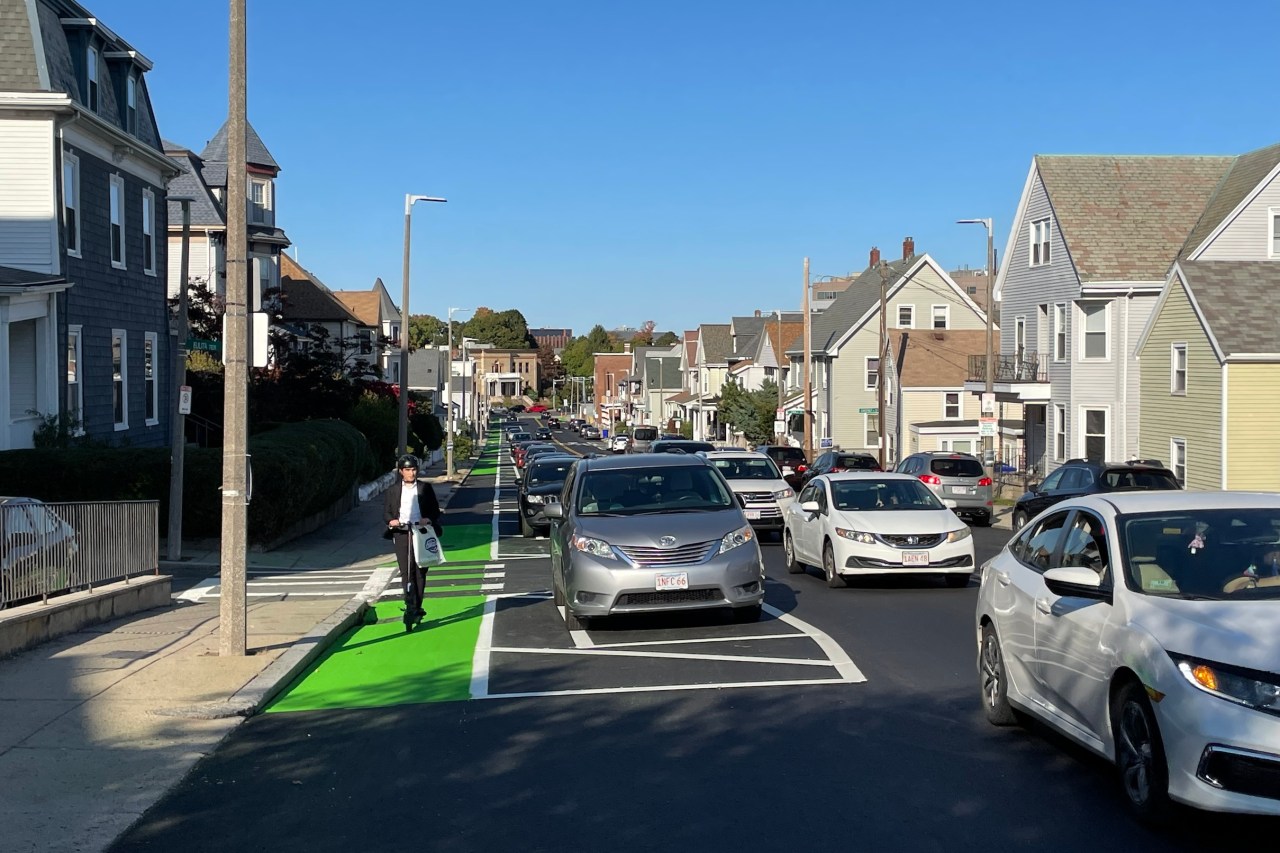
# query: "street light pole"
{"points": [[179, 435], [448, 401], [404, 323], [988, 441], [808, 368], [882, 362]]}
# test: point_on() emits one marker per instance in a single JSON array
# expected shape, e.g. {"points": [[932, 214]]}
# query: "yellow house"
{"points": [[1210, 358]]}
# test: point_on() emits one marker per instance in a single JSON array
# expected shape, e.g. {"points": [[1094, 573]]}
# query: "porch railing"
{"points": [[52, 548], [1010, 368]]}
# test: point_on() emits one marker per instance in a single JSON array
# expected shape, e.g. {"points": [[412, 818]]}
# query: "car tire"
{"points": [[993, 681], [956, 580], [526, 529], [1141, 765], [794, 566], [574, 622], [1019, 520], [744, 615], [835, 580]]}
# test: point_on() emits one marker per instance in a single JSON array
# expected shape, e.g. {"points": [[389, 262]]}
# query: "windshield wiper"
{"points": [[673, 510]]}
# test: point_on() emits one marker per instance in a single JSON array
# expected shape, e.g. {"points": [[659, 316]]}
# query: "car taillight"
{"points": [[931, 479], [985, 481], [800, 469]]}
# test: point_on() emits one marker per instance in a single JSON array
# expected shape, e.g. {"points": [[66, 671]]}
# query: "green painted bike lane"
{"points": [[378, 664]]}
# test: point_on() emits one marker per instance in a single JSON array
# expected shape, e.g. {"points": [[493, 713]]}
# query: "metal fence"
{"points": [[52, 548]]}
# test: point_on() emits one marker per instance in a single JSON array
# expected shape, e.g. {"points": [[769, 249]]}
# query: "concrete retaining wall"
{"points": [[32, 624]]}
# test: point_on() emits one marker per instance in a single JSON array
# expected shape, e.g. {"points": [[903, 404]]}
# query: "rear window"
{"points": [[786, 454], [644, 433], [962, 467], [857, 463], [1129, 480]]}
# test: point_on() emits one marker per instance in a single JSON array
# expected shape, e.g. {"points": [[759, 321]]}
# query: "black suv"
{"points": [[790, 461], [1089, 477]]}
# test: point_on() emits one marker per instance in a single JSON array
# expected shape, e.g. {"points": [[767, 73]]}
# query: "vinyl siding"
{"points": [[1245, 239], [29, 198], [1253, 454], [1196, 417], [198, 263], [1115, 382], [848, 388]]}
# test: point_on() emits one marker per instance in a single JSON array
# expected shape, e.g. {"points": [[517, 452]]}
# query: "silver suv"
{"points": [[957, 479]]}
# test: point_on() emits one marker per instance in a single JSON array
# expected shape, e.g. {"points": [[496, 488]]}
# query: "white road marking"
{"points": [[703, 640], [837, 655], [580, 638], [671, 655], [664, 688], [480, 660]]}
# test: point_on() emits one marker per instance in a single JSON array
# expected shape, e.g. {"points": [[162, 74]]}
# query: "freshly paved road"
{"points": [[900, 761]]}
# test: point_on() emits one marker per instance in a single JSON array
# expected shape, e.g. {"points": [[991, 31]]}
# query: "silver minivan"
{"points": [[957, 479], [642, 438], [644, 534]]}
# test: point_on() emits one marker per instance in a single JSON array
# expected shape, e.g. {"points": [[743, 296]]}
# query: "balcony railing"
{"points": [[1010, 368]]}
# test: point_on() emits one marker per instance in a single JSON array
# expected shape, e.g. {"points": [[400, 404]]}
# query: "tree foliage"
{"points": [[750, 412], [578, 358], [426, 330], [644, 337], [504, 329], [666, 339], [549, 367]]}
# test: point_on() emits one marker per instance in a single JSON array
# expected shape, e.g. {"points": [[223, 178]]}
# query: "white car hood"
{"points": [[1242, 633], [748, 486], [899, 521]]}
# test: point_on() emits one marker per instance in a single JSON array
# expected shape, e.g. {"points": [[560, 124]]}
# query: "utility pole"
{"points": [[808, 371], [780, 351], [177, 454], [403, 398], [883, 362], [232, 634], [988, 441]]}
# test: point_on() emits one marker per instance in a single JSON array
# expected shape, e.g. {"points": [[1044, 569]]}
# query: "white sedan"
{"points": [[1144, 626], [873, 523]]}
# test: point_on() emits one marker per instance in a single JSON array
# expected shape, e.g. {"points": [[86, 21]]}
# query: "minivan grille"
{"points": [[679, 596], [922, 540], [685, 555], [766, 497]]}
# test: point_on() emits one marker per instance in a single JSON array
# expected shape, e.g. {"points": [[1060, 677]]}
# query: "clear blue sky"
{"points": [[675, 160]]}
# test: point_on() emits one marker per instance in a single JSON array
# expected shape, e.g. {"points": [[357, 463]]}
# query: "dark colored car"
{"points": [[553, 423], [1077, 477], [542, 432], [837, 461], [790, 461], [522, 453], [680, 445], [543, 480]]}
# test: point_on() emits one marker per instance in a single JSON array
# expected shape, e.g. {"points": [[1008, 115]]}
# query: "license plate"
{"points": [[915, 558], [752, 514], [679, 580], [787, 470], [962, 490]]}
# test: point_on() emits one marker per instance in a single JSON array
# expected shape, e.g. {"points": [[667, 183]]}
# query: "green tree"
{"points": [[578, 358], [504, 329], [667, 339], [749, 411], [549, 366], [644, 337], [426, 330]]}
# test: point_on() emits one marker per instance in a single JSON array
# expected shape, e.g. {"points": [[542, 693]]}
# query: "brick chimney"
{"points": [[757, 312], [908, 247], [875, 256]]}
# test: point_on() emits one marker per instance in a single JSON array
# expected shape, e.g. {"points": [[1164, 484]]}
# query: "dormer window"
{"points": [[91, 75], [131, 104]]}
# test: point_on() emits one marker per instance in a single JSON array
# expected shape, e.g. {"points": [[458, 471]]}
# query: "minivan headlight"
{"points": [[1253, 689], [594, 547], [741, 536], [959, 535], [535, 499], [783, 493]]}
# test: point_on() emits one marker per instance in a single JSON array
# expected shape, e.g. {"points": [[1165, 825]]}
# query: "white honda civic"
{"points": [[1145, 626], [875, 523]]}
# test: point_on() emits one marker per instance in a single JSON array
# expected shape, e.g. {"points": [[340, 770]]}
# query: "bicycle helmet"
{"points": [[407, 461]]}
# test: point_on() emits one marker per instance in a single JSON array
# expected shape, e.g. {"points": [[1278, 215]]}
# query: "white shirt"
{"points": [[410, 512]]}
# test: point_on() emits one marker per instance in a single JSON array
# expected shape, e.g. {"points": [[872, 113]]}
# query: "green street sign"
{"points": [[195, 344], [869, 410]]}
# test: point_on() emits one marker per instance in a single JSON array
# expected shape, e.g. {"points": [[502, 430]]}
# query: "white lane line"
{"points": [[277, 582], [537, 594], [703, 640], [663, 688], [837, 655], [580, 638], [497, 513], [480, 660], [198, 591], [453, 574], [597, 652]]}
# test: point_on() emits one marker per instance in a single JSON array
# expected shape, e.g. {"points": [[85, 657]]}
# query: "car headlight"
{"points": [[535, 499], [594, 547], [783, 493], [959, 535], [856, 535], [1244, 687], [741, 536]]}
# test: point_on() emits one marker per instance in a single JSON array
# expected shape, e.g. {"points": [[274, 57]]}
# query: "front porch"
{"points": [[29, 357]]}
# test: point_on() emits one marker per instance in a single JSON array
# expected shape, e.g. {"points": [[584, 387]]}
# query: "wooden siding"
{"points": [[29, 198], [1253, 454], [1195, 417], [1245, 239]]}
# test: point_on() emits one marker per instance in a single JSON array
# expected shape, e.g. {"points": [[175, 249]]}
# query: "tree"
{"points": [[426, 330], [644, 337], [578, 358], [749, 411], [549, 366], [504, 329], [667, 339], [204, 310]]}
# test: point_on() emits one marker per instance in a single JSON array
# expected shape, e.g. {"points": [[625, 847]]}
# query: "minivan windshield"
{"points": [[1224, 554], [639, 491], [644, 433], [870, 495], [747, 469]]}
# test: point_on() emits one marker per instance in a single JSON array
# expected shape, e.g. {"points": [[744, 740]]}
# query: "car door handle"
{"points": [[1043, 605], [1002, 578]]}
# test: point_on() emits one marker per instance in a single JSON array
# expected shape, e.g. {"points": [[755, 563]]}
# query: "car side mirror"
{"points": [[553, 511], [811, 506], [1075, 582], [1034, 488]]}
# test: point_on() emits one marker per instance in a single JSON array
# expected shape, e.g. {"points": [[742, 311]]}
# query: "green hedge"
{"points": [[299, 469]]}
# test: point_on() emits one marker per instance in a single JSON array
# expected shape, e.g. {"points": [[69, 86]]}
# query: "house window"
{"points": [[873, 373], [1059, 332], [941, 316], [24, 382], [871, 430], [951, 405], [131, 104], [906, 316], [91, 76], [1094, 439], [120, 377], [71, 201], [117, 222], [1060, 433], [826, 294], [150, 346], [1178, 453], [1039, 242], [148, 232], [1273, 237], [75, 391], [1178, 369], [265, 269], [1020, 338], [1095, 329], [259, 201]]}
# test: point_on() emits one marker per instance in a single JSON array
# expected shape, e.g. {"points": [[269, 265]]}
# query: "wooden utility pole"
{"points": [[808, 371], [882, 367], [235, 451]]}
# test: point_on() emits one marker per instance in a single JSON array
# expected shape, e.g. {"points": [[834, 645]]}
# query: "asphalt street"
{"points": [[844, 719]]}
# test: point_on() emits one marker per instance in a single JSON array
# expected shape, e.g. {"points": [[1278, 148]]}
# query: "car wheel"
{"points": [[574, 622], [1019, 520], [994, 681], [835, 580], [956, 580], [526, 530], [794, 566], [1140, 758], [743, 615]]}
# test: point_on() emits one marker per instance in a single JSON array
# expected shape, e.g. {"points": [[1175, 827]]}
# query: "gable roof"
{"points": [[205, 209], [928, 362], [365, 304], [852, 303], [791, 331], [1123, 217], [255, 152], [306, 299], [1237, 302], [717, 345], [1245, 174]]}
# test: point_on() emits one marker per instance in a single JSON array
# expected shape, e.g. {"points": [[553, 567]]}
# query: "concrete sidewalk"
{"points": [[99, 724]]}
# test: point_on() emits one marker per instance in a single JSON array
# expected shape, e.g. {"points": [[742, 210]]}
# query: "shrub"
{"points": [[462, 446], [426, 427], [378, 418]]}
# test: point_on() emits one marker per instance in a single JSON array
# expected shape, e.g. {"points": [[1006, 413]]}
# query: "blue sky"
{"points": [[675, 160]]}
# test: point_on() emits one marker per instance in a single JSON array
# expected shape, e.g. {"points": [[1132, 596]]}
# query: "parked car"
{"points": [[522, 454], [33, 539], [619, 443], [678, 445], [518, 436], [576, 424], [1143, 626], [537, 408], [875, 523], [653, 533], [590, 431], [790, 460], [1079, 477], [758, 482], [642, 438], [541, 485], [956, 478]]}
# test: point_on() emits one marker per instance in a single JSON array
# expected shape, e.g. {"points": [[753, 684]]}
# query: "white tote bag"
{"points": [[426, 547]]}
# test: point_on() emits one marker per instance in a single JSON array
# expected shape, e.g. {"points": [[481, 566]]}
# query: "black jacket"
{"points": [[427, 505]]}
